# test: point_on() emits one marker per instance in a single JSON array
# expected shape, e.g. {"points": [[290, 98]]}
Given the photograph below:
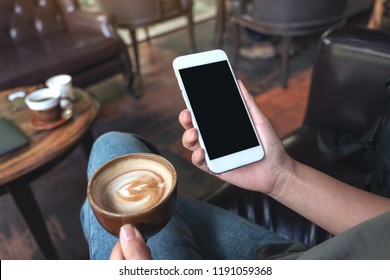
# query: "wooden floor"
{"points": [[61, 192]]}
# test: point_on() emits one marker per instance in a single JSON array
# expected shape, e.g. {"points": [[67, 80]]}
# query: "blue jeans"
{"points": [[197, 230]]}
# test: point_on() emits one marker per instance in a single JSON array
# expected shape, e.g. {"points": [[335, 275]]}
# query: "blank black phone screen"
{"points": [[218, 108]]}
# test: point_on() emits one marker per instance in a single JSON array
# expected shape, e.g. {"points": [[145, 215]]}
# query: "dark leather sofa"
{"points": [[39, 39], [348, 90]]}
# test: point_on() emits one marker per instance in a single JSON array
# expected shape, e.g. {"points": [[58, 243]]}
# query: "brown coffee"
{"points": [[43, 99], [134, 192], [138, 189], [141, 185]]}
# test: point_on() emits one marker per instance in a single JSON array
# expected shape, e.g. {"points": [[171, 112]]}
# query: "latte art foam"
{"points": [[134, 192]]}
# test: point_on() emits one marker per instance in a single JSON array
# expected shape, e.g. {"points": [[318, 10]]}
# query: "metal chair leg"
{"points": [[133, 36], [191, 31], [286, 40], [221, 21], [237, 43]]}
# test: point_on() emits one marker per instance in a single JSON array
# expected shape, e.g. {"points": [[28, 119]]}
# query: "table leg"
{"points": [[88, 142], [28, 206]]}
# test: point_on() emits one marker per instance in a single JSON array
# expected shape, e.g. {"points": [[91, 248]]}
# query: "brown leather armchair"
{"points": [[133, 14], [39, 39], [348, 92]]}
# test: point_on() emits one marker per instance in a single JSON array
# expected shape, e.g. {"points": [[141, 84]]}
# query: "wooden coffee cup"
{"points": [[138, 189], [44, 104]]}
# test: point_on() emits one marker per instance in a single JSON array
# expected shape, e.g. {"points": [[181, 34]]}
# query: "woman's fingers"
{"points": [[131, 245], [185, 119], [190, 139]]}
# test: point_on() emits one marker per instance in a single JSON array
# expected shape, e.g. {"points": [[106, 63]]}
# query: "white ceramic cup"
{"points": [[45, 104], [62, 83]]}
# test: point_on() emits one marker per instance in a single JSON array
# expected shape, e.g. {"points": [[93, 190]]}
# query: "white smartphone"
{"points": [[213, 97]]}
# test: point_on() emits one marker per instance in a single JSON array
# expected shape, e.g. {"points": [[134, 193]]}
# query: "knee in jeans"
{"points": [[116, 139], [108, 137]]}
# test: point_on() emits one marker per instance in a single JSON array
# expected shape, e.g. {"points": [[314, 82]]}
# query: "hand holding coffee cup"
{"points": [[137, 189]]}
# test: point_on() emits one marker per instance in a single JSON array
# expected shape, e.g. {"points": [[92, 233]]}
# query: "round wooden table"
{"points": [[45, 149]]}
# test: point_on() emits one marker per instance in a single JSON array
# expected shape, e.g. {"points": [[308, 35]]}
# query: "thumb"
{"points": [[132, 244]]}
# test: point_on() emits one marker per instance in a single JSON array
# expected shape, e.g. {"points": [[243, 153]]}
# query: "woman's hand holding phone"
{"points": [[260, 176], [218, 111]]}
